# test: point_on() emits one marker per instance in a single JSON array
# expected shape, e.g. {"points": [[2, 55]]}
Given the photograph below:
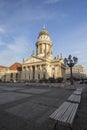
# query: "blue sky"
{"points": [[22, 20]]}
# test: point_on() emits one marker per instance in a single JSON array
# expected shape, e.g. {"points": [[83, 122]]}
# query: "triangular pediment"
{"points": [[33, 59]]}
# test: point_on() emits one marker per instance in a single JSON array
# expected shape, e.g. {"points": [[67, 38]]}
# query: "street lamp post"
{"points": [[70, 62]]}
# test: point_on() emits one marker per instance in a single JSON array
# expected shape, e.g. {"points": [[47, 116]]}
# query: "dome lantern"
{"points": [[44, 32]]}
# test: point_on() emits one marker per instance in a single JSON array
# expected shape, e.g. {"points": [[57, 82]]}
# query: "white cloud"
{"points": [[14, 52], [1, 42], [51, 1], [2, 30], [75, 43], [19, 44]]}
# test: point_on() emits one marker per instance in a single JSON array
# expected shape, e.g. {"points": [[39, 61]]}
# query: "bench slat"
{"points": [[79, 89], [61, 112], [72, 116], [58, 112], [68, 113], [77, 92], [75, 98], [65, 114]]}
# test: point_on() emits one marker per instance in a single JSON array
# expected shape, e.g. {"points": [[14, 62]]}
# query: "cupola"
{"points": [[43, 44]]}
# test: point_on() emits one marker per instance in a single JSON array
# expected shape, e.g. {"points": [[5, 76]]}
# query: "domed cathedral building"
{"points": [[43, 65]]}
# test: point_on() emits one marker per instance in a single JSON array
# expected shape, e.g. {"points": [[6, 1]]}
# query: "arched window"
{"points": [[11, 75], [16, 75], [29, 76], [24, 68], [44, 77], [38, 76]]}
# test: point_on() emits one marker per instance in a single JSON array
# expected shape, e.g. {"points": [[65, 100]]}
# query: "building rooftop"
{"points": [[15, 66]]}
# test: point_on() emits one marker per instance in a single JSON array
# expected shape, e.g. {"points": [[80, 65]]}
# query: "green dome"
{"points": [[44, 32]]}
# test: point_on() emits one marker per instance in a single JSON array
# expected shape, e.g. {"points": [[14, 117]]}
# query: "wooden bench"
{"points": [[79, 89], [77, 92], [75, 98], [65, 114]]}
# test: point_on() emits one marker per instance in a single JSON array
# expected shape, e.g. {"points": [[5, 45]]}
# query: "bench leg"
{"points": [[55, 125], [70, 128]]}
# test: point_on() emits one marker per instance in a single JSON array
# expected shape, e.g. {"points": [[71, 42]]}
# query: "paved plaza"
{"points": [[28, 107]]}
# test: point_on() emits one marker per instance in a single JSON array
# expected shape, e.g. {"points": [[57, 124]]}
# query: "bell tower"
{"points": [[44, 44]]}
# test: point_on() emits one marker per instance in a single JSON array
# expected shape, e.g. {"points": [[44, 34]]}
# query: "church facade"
{"points": [[42, 65]]}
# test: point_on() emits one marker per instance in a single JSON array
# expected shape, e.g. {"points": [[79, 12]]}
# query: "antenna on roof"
{"points": [[44, 27], [23, 60]]}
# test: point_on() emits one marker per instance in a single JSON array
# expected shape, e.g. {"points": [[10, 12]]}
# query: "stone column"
{"points": [[36, 72]]}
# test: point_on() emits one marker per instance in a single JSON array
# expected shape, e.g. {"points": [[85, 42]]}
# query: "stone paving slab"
{"points": [[7, 97], [33, 113], [34, 90], [47, 101], [28, 110], [10, 88], [1, 91]]}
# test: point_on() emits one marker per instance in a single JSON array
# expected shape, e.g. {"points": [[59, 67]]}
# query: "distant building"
{"points": [[2, 72], [43, 65], [11, 74], [78, 72]]}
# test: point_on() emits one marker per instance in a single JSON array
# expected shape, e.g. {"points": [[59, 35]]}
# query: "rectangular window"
{"points": [[11, 76]]}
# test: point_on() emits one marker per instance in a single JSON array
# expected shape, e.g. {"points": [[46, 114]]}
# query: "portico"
{"points": [[42, 65]]}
